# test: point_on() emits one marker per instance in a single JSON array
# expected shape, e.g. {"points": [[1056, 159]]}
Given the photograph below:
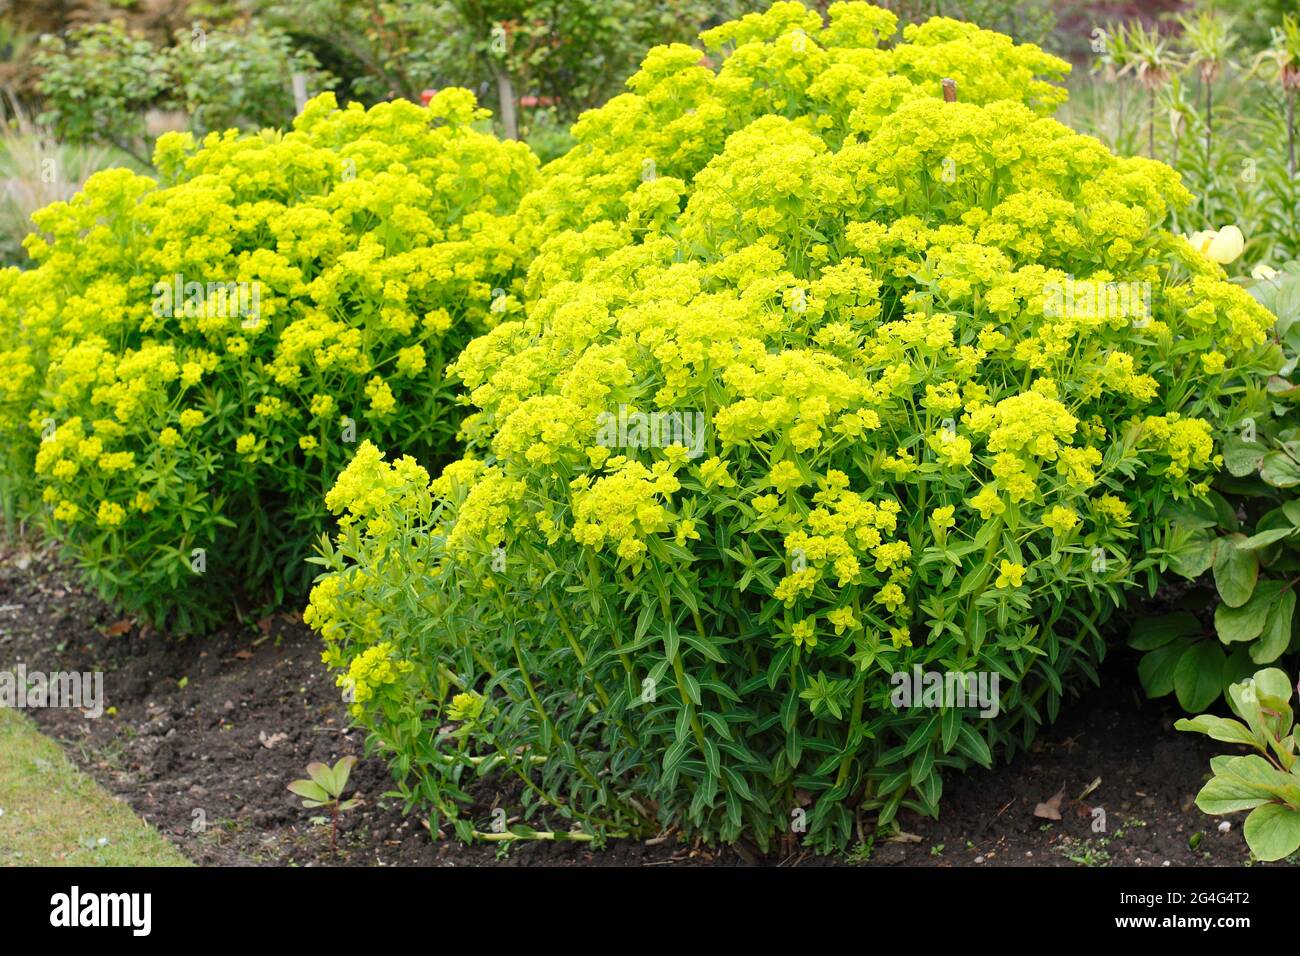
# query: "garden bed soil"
{"points": [[202, 735]]}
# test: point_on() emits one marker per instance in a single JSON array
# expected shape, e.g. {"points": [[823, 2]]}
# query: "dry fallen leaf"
{"points": [[272, 740], [119, 628], [1050, 809]]}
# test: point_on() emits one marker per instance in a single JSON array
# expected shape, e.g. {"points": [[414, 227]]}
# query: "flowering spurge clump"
{"points": [[835, 81], [810, 470], [192, 361]]}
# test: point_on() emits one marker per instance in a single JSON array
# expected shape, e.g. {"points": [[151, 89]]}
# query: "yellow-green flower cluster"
{"points": [[370, 673], [193, 359]]}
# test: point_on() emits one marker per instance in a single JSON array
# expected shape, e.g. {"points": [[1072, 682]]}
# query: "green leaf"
{"points": [[1151, 632], [1239, 666], [1195, 515], [1242, 457], [1225, 512], [692, 689], [1247, 622], [1156, 669], [1218, 728], [790, 710], [1273, 688], [1194, 556], [673, 758], [1277, 630], [1235, 572], [1198, 678], [1264, 538], [921, 735], [1273, 831], [949, 727], [322, 774], [922, 764], [737, 784], [1292, 511], [1263, 778], [1286, 305], [1227, 794], [343, 770], [970, 743], [1279, 470], [309, 790], [671, 638], [712, 757]]}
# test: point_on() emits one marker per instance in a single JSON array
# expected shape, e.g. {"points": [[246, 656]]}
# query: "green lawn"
{"points": [[52, 814]]}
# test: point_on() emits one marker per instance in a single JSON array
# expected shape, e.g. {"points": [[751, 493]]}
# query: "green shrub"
{"points": [[808, 398], [574, 54], [98, 82], [193, 360], [240, 76]]}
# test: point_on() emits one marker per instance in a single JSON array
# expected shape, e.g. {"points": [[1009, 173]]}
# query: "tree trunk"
{"points": [[506, 100], [298, 81]]}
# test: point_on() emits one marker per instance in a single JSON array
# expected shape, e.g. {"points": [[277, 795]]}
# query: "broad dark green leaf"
{"points": [[1235, 572], [1198, 678], [1151, 632]]}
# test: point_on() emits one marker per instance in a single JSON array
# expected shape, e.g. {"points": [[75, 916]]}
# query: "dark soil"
{"points": [[202, 735]]}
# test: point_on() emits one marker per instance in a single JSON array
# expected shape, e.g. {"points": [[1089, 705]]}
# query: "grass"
{"points": [[55, 815], [36, 170]]}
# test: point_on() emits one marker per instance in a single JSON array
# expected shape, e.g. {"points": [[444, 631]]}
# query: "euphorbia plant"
{"points": [[822, 383], [193, 358]]}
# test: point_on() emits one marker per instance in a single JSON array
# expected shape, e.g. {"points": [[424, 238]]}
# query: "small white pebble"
{"points": [[103, 841], [979, 859], [1225, 826], [1166, 863]]}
